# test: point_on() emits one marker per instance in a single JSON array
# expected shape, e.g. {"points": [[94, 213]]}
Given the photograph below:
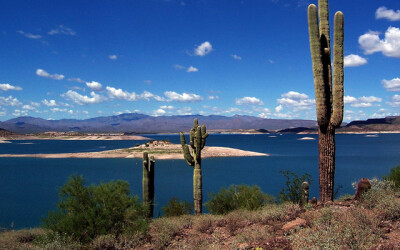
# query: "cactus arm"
{"points": [[324, 20], [338, 73], [186, 153], [315, 46], [145, 179], [197, 142], [191, 136], [204, 136]]}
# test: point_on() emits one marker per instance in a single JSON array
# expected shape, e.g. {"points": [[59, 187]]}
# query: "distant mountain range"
{"points": [[139, 123]]}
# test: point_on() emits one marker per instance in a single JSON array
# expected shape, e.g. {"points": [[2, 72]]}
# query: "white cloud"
{"points": [[51, 103], [236, 57], [43, 73], [95, 86], [278, 108], [29, 35], [263, 115], [395, 101], [159, 112], [248, 101], [131, 96], [354, 61], [29, 107], [385, 13], [83, 100], [9, 101], [62, 30], [391, 85], [7, 86], [362, 102], [113, 57], [213, 97], [295, 100], [76, 79], [85, 112], [389, 46], [192, 69], [203, 49], [58, 110], [167, 107], [19, 112], [184, 97]]}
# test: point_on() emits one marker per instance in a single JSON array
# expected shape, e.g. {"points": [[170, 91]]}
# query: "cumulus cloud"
{"points": [[248, 101], [385, 13], [354, 61], [394, 101], [19, 112], [159, 112], [295, 100], [7, 86], [203, 49], [62, 30], [29, 107], [115, 93], [113, 57], [389, 45], [29, 35], [43, 73], [82, 99], [184, 97], [278, 108], [95, 86], [58, 110], [192, 69], [391, 85], [167, 107], [51, 103], [9, 101], [362, 102], [236, 57]]}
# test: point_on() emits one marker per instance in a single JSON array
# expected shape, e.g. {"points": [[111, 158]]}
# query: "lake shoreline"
{"points": [[162, 150]]}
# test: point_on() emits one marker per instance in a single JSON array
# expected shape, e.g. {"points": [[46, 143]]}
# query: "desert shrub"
{"points": [[163, 230], [394, 176], [177, 208], [354, 228], [18, 239], [85, 212], [54, 240], [382, 198], [238, 197], [292, 190]]}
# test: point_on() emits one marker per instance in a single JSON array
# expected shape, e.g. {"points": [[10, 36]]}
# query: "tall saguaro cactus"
{"points": [[328, 91], [198, 137], [148, 183]]}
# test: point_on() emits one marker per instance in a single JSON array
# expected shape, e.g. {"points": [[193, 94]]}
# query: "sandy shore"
{"points": [[160, 150]]}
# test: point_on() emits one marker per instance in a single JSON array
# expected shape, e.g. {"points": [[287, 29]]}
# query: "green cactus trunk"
{"points": [[198, 137], [328, 96], [148, 183]]}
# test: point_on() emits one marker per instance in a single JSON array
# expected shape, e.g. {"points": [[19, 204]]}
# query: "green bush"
{"points": [[177, 208], [394, 176], [85, 212], [238, 197], [292, 191]]}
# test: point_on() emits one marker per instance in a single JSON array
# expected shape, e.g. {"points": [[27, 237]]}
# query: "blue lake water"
{"points": [[29, 186]]}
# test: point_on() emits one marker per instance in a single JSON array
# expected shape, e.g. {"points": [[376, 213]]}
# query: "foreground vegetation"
{"points": [[344, 224]]}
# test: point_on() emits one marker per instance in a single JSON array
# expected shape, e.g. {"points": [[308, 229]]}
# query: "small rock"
{"points": [[298, 222]]}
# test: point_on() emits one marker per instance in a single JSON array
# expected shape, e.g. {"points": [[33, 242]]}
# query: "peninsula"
{"points": [[162, 150]]}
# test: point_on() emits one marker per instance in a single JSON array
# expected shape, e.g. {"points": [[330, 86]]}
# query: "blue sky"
{"points": [[82, 59]]}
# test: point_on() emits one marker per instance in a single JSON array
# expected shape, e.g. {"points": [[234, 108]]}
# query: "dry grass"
{"points": [[21, 239]]}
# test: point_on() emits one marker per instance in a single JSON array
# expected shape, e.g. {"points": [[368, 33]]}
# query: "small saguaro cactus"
{"points": [[148, 183], [328, 92], [304, 193], [198, 137]]}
